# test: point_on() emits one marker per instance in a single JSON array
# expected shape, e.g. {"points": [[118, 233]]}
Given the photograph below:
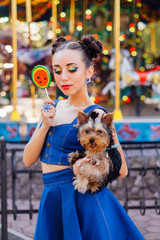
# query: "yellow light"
{"points": [[58, 30], [63, 14], [129, 0], [139, 5], [92, 98], [145, 55], [132, 29], [121, 38], [109, 28], [142, 69], [79, 28], [139, 33], [88, 12], [124, 98], [105, 52], [134, 53], [148, 61], [57, 2], [51, 84], [138, 40], [136, 15], [143, 97], [60, 98]]}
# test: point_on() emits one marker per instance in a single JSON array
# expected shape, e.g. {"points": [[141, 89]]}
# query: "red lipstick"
{"points": [[66, 87]]}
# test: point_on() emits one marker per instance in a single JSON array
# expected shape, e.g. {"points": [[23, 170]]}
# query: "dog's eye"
{"points": [[99, 131], [87, 131]]}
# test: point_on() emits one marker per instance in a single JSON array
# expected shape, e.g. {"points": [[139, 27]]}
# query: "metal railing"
{"points": [[142, 169]]}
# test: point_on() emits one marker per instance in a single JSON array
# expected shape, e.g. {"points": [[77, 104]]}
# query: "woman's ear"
{"points": [[90, 72]]}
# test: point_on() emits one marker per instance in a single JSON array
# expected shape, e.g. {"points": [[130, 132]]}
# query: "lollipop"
{"points": [[41, 77]]}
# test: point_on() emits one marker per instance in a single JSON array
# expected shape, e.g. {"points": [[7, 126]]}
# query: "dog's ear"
{"points": [[107, 119], [82, 118]]}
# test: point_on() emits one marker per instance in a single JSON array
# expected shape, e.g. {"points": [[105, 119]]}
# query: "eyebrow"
{"points": [[66, 65]]}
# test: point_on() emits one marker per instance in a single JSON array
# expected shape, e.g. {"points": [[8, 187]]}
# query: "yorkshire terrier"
{"points": [[95, 135]]}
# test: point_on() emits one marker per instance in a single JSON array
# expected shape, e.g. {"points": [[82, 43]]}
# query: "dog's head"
{"points": [[94, 132]]}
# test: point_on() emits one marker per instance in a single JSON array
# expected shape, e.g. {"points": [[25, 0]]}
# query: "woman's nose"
{"points": [[64, 75]]}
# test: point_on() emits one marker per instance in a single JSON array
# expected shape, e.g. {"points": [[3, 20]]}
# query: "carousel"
{"points": [[127, 72]]}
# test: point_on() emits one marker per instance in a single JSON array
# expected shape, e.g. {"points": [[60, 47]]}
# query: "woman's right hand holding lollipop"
{"points": [[48, 112]]}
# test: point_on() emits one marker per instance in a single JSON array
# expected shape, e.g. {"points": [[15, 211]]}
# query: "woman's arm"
{"points": [[124, 170], [33, 148]]}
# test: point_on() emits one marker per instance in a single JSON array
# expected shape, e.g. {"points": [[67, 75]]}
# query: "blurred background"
{"points": [[38, 23]]}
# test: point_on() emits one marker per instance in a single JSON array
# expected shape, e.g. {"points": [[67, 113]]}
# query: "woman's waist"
{"points": [[58, 177], [47, 168]]}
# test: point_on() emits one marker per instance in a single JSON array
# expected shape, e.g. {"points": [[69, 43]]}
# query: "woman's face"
{"points": [[70, 72]]}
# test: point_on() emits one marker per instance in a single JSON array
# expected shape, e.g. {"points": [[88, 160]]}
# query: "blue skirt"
{"points": [[66, 214]]}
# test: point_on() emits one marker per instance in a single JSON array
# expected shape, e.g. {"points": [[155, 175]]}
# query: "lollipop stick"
{"points": [[46, 93]]}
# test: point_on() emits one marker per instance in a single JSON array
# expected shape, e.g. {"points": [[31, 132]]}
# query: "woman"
{"points": [[65, 213]]}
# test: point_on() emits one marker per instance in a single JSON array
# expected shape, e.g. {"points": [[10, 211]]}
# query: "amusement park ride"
{"points": [[129, 76]]}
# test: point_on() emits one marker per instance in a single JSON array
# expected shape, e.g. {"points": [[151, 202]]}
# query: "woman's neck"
{"points": [[80, 99]]}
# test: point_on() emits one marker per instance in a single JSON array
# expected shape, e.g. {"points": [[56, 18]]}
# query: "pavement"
{"points": [[23, 228]]}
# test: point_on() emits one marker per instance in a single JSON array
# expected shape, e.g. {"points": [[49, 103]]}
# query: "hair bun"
{"points": [[57, 43], [91, 46]]}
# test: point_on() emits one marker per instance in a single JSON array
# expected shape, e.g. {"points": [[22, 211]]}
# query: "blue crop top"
{"points": [[62, 140]]}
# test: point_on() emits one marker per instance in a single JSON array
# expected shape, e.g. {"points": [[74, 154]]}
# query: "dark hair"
{"points": [[89, 46]]}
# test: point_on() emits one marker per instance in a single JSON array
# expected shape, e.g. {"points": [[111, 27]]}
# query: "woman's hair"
{"points": [[89, 46]]}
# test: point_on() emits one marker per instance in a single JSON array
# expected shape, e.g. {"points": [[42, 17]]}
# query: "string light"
{"points": [[8, 48], [132, 27], [139, 4], [62, 16], [95, 35], [145, 55], [126, 99], [4, 19], [122, 37], [142, 69], [136, 15], [58, 29], [138, 40], [133, 51], [105, 51], [88, 13], [68, 37], [109, 26], [143, 97], [79, 26]]}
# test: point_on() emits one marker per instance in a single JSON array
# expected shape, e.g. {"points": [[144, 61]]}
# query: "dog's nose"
{"points": [[91, 140]]}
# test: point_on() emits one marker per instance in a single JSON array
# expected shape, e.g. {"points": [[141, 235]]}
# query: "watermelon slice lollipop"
{"points": [[41, 77]]}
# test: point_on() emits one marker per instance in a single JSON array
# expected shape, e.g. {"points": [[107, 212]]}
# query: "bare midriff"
{"points": [[46, 168]]}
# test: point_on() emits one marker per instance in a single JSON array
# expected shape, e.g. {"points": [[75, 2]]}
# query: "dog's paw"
{"points": [[73, 157], [81, 185]]}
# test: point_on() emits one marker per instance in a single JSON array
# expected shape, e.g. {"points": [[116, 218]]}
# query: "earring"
{"points": [[88, 81]]}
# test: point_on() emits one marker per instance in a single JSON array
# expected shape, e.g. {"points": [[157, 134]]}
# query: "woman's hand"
{"points": [[78, 164], [48, 114]]}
